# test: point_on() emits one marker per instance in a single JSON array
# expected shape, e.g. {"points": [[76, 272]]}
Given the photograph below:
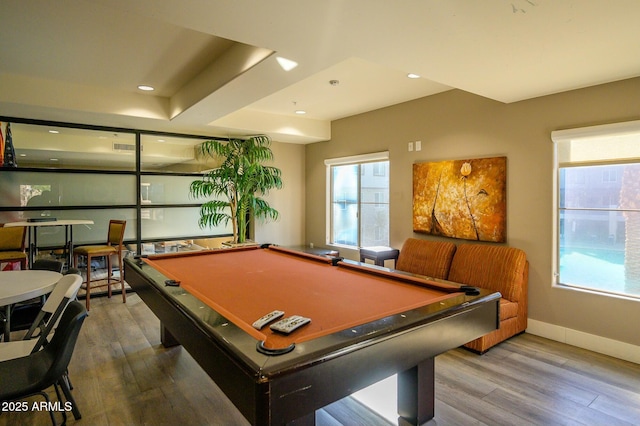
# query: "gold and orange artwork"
{"points": [[463, 199]]}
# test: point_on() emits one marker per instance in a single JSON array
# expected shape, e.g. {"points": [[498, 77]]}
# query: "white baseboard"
{"points": [[603, 345]]}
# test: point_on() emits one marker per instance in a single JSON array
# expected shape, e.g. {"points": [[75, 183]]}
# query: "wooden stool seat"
{"points": [[95, 250]]}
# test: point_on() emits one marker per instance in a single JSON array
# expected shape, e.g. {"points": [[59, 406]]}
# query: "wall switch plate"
{"points": [[410, 147], [418, 145]]}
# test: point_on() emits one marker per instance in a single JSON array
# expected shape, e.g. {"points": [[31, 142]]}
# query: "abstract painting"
{"points": [[463, 199]]}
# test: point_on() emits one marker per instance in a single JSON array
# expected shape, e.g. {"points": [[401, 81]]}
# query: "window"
{"points": [[358, 200], [381, 198], [609, 174], [597, 208], [380, 169], [70, 171]]}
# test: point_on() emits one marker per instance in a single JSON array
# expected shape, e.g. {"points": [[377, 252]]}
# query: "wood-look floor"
{"points": [[123, 376]]}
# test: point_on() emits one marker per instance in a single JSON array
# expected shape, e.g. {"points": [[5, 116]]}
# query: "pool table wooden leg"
{"points": [[416, 394], [167, 338], [308, 420]]}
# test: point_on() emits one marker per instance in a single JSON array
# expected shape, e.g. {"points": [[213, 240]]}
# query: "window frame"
{"points": [[344, 161]]}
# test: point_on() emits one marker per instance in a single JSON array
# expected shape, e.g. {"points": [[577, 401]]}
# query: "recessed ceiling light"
{"points": [[55, 132], [23, 155], [286, 64], [146, 88], [300, 112], [412, 75], [53, 159], [161, 140]]}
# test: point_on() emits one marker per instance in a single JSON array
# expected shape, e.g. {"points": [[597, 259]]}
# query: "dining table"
{"points": [[21, 285]]}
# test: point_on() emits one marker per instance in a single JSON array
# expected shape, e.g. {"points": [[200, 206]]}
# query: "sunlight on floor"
{"points": [[381, 398]]}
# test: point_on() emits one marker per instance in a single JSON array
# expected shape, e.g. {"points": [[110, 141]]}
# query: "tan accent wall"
{"points": [[460, 125], [289, 201]]}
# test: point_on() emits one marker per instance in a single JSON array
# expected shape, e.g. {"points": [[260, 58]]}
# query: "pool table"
{"points": [[367, 323]]}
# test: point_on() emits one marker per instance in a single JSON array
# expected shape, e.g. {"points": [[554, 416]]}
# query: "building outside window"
{"points": [[358, 200], [597, 209]]}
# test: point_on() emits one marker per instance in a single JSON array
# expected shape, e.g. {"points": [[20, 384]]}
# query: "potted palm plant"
{"points": [[236, 187]]}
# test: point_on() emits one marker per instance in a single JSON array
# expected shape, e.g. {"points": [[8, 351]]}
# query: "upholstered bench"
{"points": [[497, 268]]}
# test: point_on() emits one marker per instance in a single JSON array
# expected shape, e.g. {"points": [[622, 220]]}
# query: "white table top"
{"points": [[59, 222], [18, 286]]}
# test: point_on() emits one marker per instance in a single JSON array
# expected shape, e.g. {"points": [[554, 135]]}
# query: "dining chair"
{"points": [[12, 245], [65, 291], [34, 374], [114, 245], [23, 314]]}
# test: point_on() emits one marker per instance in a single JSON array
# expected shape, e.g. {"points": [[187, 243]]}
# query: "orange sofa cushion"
{"points": [[429, 258], [496, 268]]}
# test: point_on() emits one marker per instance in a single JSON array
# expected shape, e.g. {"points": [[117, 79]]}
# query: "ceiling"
{"points": [[215, 70]]}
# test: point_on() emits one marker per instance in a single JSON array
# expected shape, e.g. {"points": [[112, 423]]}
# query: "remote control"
{"points": [[267, 319], [290, 324]]}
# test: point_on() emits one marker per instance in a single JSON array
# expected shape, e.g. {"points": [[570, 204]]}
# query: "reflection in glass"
{"points": [[176, 222], [170, 154], [70, 148], [158, 189], [47, 190]]}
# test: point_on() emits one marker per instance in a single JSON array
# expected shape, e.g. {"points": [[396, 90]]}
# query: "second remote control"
{"points": [[290, 324]]}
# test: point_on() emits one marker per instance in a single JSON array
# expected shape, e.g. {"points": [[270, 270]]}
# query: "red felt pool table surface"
{"points": [[245, 284]]}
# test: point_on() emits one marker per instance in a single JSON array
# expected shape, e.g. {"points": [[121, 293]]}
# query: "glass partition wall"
{"points": [[67, 171]]}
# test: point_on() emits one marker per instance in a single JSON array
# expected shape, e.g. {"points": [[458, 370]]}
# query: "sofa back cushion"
{"points": [[429, 258], [495, 268]]}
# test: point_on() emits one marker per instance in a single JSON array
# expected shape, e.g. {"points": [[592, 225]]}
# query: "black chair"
{"points": [[48, 265], [24, 313], [33, 374]]}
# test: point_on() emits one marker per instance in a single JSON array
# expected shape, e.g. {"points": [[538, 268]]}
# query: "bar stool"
{"points": [[113, 246]]}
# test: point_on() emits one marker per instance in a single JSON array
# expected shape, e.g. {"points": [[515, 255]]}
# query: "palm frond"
{"points": [[240, 179]]}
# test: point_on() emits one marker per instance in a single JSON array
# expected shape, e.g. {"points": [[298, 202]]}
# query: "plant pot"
{"points": [[230, 244]]}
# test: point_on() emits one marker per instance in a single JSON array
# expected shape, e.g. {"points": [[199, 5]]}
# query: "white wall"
{"points": [[289, 201]]}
